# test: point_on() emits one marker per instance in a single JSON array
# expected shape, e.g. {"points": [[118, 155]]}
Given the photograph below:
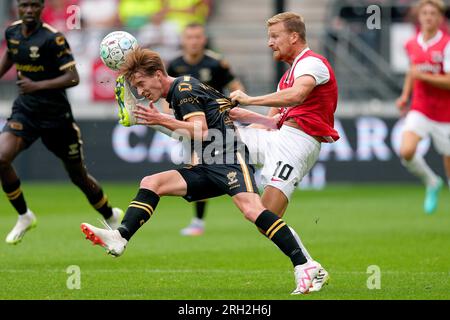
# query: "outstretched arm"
{"points": [[247, 116], [290, 97], [194, 127]]}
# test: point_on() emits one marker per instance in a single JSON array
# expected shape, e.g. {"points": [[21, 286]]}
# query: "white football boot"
{"points": [[111, 240], [320, 280], [24, 223], [304, 275], [116, 218], [195, 228]]}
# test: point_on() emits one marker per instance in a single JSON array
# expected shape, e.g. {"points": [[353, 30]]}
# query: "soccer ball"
{"points": [[115, 46]]}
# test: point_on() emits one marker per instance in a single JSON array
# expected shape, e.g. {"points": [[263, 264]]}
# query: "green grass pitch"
{"points": [[347, 228]]}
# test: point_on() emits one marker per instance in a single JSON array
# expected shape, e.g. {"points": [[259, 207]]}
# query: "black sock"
{"points": [[15, 196], [278, 231], [138, 212], [100, 203], [200, 207]]}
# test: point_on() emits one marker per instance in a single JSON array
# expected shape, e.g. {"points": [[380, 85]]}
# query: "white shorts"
{"points": [[287, 155], [423, 126]]}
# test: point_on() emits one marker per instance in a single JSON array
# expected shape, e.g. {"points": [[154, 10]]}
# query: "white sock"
{"points": [[449, 183], [297, 238], [418, 167]]}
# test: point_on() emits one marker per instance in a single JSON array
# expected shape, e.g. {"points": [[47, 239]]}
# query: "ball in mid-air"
{"points": [[115, 46]]}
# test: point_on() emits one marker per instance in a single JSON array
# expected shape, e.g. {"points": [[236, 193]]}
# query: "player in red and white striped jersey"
{"points": [[428, 84]]}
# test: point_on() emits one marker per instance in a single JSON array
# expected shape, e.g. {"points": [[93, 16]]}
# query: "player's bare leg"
{"points": [[416, 165], [10, 146], [94, 193], [447, 168]]}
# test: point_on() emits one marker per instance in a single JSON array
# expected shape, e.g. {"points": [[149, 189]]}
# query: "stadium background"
{"points": [[370, 65], [369, 215]]}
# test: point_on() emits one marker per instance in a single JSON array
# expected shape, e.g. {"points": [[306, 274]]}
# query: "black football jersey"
{"points": [[43, 55], [189, 97], [211, 70]]}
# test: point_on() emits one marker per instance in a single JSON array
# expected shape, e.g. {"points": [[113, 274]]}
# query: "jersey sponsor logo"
{"points": [[13, 51], [34, 52], [428, 67], [437, 56], [184, 87], [29, 68], [191, 100]]}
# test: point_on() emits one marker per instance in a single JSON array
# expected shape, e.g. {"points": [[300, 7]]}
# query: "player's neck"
{"points": [[429, 34], [291, 58], [167, 84], [28, 29], [193, 58]]}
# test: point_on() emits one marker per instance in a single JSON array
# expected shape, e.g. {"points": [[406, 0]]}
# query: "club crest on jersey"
{"points": [[34, 54], [437, 57], [232, 178]]}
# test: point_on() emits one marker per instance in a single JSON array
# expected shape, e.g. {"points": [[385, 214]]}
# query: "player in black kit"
{"points": [[45, 68], [200, 113], [211, 69]]}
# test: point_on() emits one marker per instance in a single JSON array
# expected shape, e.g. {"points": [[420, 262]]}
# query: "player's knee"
{"points": [[151, 183], [4, 162], [407, 153], [251, 213]]}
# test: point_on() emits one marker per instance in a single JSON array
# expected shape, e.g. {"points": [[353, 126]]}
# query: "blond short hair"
{"points": [[439, 4], [292, 22], [141, 60]]}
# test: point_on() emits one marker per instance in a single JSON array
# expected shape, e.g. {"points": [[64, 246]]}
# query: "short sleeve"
{"points": [[225, 75], [446, 61], [8, 49], [314, 67], [187, 103], [60, 50]]}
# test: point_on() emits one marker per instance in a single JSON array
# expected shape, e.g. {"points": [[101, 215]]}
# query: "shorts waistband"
{"points": [[300, 133]]}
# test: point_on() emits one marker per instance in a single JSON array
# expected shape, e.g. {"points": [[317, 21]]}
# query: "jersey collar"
{"points": [[426, 44], [301, 54]]}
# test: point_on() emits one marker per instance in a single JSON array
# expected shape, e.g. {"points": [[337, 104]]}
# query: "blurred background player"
{"points": [[45, 68], [428, 80], [210, 68]]}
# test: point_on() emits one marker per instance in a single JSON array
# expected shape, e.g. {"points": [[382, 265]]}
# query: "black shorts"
{"points": [[62, 137], [209, 181]]}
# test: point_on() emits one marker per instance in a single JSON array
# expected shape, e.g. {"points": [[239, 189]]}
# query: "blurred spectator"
{"points": [[185, 12], [134, 14], [160, 35], [99, 14]]}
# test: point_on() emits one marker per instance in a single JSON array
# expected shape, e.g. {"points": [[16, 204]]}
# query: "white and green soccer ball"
{"points": [[115, 46]]}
